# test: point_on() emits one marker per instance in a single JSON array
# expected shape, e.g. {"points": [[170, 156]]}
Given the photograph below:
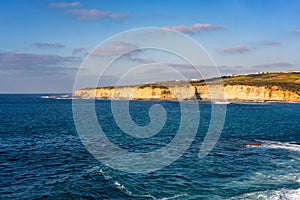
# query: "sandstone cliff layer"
{"points": [[192, 92]]}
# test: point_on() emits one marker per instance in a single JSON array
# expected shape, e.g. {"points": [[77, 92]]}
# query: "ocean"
{"points": [[42, 155]]}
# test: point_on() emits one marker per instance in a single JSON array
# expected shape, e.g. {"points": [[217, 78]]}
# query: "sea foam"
{"points": [[281, 194], [292, 146]]}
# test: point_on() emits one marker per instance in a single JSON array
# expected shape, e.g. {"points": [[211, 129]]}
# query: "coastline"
{"points": [[267, 87], [185, 100]]}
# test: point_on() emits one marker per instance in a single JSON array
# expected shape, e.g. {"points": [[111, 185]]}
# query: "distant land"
{"points": [[258, 87]]}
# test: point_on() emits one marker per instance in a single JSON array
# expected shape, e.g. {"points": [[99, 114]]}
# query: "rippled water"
{"points": [[41, 155]]}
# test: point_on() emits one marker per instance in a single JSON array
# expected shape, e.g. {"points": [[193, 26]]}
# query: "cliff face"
{"points": [[134, 92], [187, 92], [262, 93]]}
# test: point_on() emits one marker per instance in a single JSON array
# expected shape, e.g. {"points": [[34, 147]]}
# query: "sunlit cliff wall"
{"points": [[187, 92]]}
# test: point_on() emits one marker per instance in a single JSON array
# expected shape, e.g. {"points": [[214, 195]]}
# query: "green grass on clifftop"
{"points": [[287, 81]]}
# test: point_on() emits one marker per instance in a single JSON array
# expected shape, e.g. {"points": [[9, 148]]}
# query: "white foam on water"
{"points": [[45, 97], [221, 102], [282, 194], [174, 197], [278, 145], [65, 96], [128, 192], [95, 168], [104, 174]]}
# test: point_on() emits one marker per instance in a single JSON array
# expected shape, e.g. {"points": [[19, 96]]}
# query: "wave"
{"points": [[221, 102], [106, 173], [282, 194], [47, 97], [131, 194], [128, 192], [174, 197], [65, 96], [292, 146]]}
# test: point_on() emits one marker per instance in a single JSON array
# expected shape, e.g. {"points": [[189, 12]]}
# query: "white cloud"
{"points": [[94, 14], [114, 49], [194, 29], [37, 63], [64, 4], [77, 50], [235, 49]]}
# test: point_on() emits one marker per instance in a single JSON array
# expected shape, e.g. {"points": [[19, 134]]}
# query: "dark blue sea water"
{"points": [[42, 156]]}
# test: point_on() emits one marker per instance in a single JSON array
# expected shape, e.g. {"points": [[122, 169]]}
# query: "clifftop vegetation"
{"points": [[286, 81]]}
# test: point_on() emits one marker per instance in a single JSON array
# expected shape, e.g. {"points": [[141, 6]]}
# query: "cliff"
{"points": [[267, 87]]}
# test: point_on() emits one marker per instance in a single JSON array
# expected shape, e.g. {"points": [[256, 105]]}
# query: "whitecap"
{"points": [[292, 146], [128, 192], [281, 194], [105, 174], [174, 197], [221, 102], [45, 97]]}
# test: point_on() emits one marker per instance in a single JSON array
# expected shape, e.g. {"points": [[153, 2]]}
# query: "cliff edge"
{"points": [[283, 87]]}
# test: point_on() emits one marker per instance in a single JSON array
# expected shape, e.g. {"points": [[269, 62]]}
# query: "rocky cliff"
{"points": [[233, 91]]}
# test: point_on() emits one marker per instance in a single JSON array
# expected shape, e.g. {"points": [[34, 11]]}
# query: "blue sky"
{"points": [[43, 43]]}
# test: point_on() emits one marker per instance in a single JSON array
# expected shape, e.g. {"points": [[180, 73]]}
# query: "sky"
{"points": [[45, 43]]}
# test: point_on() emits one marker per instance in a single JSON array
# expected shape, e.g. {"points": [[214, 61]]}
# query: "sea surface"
{"points": [[42, 156]]}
